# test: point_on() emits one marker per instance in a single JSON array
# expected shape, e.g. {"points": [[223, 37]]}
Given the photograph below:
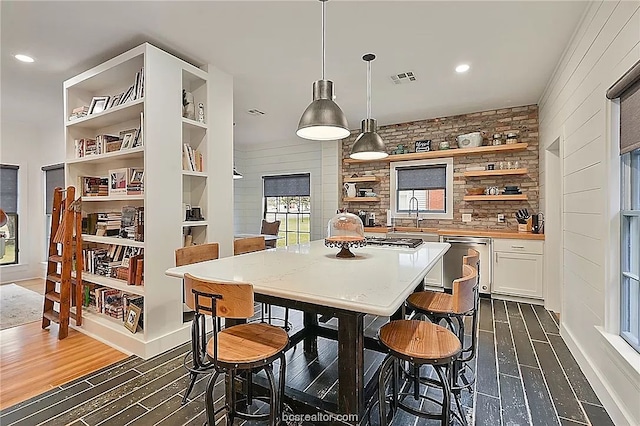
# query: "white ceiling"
{"points": [[273, 51]]}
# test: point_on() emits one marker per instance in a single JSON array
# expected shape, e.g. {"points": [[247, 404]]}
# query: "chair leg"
{"points": [[192, 381], [445, 378], [382, 394], [286, 319], [250, 388], [273, 396], [231, 394], [209, 399], [282, 383]]}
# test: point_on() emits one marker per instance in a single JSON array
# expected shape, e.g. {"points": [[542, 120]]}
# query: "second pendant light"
{"points": [[369, 145]]}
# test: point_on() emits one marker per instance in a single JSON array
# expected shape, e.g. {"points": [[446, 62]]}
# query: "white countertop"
{"points": [[377, 281]]}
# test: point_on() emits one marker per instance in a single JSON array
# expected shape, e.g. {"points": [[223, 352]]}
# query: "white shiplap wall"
{"points": [[320, 159], [574, 109]]}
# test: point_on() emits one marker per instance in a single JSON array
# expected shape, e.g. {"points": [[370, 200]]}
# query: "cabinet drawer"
{"points": [[518, 246]]}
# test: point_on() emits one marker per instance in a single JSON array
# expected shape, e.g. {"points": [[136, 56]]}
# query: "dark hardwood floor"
{"points": [[526, 376]]}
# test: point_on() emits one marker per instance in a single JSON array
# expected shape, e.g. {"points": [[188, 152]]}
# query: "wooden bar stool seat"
{"points": [[431, 301], [418, 343], [421, 341], [249, 343]]}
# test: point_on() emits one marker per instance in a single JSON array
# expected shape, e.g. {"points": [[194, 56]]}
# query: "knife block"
{"points": [[525, 227]]}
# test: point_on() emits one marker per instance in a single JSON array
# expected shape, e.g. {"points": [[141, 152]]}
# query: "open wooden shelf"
{"points": [[446, 153], [193, 123], [361, 199], [507, 172], [118, 114], [123, 197], [123, 154], [111, 240], [112, 283], [518, 197], [362, 179]]}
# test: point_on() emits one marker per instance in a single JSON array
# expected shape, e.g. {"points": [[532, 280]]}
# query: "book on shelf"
{"points": [[93, 186], [131, 226], [192, 159], [113, 261], [79, 112]]}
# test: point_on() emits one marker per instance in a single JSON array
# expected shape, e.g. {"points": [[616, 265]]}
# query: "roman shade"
{"points": [[422, 177], [627, 88], [9, 188], [53, 178], [297, 185]]}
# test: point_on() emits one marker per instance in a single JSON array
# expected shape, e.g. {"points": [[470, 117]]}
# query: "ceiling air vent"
{"points": [[403, 77], [256, 112]]}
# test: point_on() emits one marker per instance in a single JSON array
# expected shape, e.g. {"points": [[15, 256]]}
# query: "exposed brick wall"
{"points": [[521, 120]]}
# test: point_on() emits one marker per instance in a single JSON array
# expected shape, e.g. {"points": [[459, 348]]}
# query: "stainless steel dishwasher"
{"points": [[453, 259]]}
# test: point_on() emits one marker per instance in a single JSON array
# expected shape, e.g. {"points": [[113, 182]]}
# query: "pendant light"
{"points": [[323, 120], [368, 145]]}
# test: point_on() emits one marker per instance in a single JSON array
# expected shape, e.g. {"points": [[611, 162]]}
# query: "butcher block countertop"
{"points": [[491, 233]]}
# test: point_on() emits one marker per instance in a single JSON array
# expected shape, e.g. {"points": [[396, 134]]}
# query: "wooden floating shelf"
{"points": [[362, 179], [112, 283], [361, 199], [518, 197], [508, 172], [443, 153]]}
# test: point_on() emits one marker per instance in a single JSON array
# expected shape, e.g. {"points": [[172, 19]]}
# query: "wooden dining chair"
{"points": [[270, 228], [248, 348], [197, 253], [248, 245], [199, 361]]}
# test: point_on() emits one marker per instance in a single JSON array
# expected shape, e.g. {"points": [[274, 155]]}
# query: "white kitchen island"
{"points": [[309, 277]]}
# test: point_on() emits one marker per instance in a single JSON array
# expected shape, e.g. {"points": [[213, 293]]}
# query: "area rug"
{"points": [[18, 306]]}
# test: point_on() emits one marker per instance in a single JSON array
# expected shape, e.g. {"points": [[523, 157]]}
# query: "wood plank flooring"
{"points": [[526, 376], [33, 360]]}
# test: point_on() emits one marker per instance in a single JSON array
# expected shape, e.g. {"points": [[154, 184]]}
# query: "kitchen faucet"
{"points": [[417, 210]]}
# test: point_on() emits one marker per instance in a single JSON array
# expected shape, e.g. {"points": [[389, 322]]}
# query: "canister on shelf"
{"points": [[497, 139], [512, 138]]}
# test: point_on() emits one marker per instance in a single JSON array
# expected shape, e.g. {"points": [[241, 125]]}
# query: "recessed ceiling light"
{"points": [[24, 58], [462, 68]]}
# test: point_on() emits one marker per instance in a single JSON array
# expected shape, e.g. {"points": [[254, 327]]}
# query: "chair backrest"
{"points": [[472, 259], [198, 253], [464, 290], [248, 245], [233, 300], [270, 228]]}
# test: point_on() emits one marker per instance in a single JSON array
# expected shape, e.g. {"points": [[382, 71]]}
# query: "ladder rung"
{"points": [[57, 278], [53, 295], [52, 316], [55, 258]]}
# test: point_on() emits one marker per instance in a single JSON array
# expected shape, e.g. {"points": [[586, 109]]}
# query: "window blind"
{"points": [[9, 188], [422, 177], [627, 88], [53, 178], [297, 185]]}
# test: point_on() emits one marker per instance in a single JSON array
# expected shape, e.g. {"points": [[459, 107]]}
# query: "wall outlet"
{"points": [[466, 217], [500, 218]]}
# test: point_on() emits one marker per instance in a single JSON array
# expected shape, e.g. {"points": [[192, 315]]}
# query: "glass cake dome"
{"points": [[345, 231]]}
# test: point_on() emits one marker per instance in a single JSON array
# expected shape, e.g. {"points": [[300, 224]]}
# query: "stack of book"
{"points": [[132, 223], [135, 184], [79, 112], [109, 224], [192, 159], [94, 186]]}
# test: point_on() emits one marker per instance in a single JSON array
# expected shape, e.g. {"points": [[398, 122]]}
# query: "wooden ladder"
{"points": [[66, 230]]}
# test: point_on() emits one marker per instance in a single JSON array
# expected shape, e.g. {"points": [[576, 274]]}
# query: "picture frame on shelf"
{"points": [[136, 175], [132, 318], [118, 179], [114, 101], [98, 104], [128, 137], [423, 145]]}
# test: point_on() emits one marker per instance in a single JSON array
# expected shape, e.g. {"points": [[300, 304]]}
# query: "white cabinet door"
{"points": [[517, 274]]}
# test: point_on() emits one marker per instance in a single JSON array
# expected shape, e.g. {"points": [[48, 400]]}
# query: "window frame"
{"points": [[630, 182], [16, 216], [393, 193], [284, 230]]}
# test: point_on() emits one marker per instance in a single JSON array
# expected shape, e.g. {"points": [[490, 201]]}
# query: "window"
{"points": [[53, 178], [9, 203], [423, 187], [287, 199], [630, 249]]}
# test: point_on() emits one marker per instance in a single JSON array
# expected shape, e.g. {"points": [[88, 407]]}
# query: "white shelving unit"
{"points": [[166, 184]]}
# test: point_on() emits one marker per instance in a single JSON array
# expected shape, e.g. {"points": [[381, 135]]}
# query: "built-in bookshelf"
{"points": [[144, 141]]}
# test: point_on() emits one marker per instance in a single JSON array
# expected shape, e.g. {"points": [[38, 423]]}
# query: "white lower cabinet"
{"points": [[516, 273]]}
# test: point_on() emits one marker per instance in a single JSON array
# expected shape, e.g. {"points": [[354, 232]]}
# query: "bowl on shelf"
{"points": [[475, 191]]}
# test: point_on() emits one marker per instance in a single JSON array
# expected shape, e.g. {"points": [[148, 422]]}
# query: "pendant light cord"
{"points": [[368, 89], [323, 43]]}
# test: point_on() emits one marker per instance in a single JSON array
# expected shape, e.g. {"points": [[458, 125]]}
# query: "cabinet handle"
{"points": [[496, 257], [517, 247]]}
